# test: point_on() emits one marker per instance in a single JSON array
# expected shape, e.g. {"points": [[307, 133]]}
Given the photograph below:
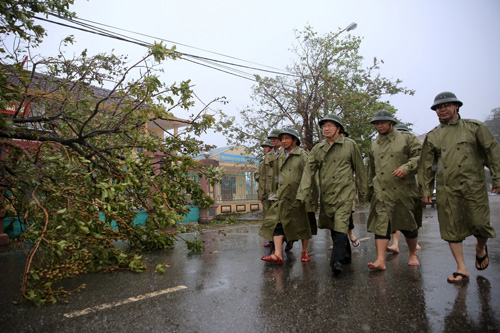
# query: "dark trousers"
{"points": [[341, 249], [351, 222]]}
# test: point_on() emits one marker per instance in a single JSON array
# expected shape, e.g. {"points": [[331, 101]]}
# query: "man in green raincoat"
{"points": [[266, 172], [287, 217], [392, 165], [336, 159], [266, 148], [394, 248], [455, 153]]}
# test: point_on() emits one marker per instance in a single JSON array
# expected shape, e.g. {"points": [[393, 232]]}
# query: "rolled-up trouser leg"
{"points": [[411, 234], [341, 250]]}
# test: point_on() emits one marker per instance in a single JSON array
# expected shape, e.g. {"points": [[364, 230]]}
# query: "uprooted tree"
{"points": [[78, 162], [327, 76]]}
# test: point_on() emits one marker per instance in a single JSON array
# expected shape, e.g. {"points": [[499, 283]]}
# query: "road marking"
{"points": [[126, 301], [363, 239]]}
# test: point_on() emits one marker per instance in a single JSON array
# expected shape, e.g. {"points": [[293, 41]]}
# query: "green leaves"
{"points": [[195, 245], [18, 16], [161, 268]]}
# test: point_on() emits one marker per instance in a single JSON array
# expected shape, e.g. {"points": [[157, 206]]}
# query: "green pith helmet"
{"points": [[331, 117], [266, 143], [346, 133], [401, 127], [445, 97], [291, 131], [383, 115], [275, 133]]}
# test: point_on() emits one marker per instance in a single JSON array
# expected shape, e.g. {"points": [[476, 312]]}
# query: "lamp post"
{"points": [[350, 27]]}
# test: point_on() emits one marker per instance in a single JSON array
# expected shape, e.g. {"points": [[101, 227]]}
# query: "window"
{"points": [[228, 188]]}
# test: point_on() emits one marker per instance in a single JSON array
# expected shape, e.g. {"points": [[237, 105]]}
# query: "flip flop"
{"points": [[479, 261], [354, 241], [464, 277]]}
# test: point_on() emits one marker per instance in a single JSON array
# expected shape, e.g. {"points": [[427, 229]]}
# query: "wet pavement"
{"points": [[228, 288]]}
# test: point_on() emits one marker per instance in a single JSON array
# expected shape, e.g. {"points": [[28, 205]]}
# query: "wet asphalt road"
{"points": [[229, 289]]}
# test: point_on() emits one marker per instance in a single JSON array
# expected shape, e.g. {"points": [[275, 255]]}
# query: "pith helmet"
{"points": [[291, 131], [266, 143], [331, 117], [275, 133], [445, 97], [401, 127], [383, 115], [345, 133]]}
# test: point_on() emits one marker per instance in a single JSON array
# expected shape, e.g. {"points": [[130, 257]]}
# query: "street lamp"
{"points": [[351, 26]]}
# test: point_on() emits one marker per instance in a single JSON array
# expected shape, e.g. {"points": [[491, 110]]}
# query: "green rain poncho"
{"points": [[287, 210], [455, 154], [393, 199], [266, 175], [336, 165]]}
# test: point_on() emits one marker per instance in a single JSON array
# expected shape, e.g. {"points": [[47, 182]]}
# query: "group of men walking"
{"points": [[400, 175]]}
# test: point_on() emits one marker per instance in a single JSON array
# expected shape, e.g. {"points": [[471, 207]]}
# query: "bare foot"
{"points": [[413, 260], [392, 249], [376, 265], [419, 247], [458, 277]]}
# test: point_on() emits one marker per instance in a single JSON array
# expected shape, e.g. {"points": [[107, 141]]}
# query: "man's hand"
{"points": [[399, 173], [427, 200]]}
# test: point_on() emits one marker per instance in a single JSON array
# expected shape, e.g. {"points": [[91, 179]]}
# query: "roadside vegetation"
{"points": [[78, 166]]}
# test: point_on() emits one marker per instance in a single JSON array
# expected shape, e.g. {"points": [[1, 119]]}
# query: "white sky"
{"points": [[433, 46]]}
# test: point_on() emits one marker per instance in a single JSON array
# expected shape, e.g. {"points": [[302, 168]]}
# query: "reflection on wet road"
{"points": [[229, 289]]}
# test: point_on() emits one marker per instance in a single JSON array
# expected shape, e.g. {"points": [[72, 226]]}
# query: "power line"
{"points": [[173, 42], [145, 44], [219, 65]]}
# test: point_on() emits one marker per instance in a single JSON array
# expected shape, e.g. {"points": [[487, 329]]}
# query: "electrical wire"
{"points": [[169, 41], [215, 64]]}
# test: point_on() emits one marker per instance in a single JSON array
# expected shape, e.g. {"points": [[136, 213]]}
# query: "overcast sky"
{"points": [[432, 46]]}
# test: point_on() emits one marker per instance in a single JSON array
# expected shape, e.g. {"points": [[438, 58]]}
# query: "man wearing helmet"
{"points": [[455, 153], [266, 172], [266, 148], [394, 248], [336, 159], [287, 217], [392, 165]]}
